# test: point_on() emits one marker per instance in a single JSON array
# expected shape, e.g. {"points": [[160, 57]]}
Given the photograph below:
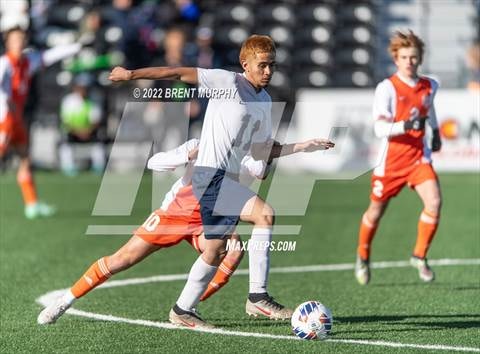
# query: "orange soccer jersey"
{"points": [[15, 75], [404, 160], [178, 219]]}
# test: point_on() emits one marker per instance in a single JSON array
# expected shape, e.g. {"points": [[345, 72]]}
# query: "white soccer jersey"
{"points": [[170, 160], [232, 124]]}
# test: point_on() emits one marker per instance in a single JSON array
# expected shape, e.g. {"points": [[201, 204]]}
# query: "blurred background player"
{"points": [[403, 104], [16, 71], [177, 219], [80, 120]]}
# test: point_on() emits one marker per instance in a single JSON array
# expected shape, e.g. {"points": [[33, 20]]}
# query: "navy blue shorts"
{"points": [[221, 199]]}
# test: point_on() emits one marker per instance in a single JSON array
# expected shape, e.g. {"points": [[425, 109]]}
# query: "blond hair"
{"points": [[405, 40], [256, 44]]}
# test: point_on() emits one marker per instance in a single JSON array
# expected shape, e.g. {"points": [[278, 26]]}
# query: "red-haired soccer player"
{"points": [[16, 71], [403, 105]]}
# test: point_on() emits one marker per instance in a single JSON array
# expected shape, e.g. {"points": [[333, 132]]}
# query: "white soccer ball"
{"points": [[312, 320]]}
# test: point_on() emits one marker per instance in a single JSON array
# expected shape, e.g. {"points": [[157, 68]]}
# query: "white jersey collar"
{"points": [[410, 82]]}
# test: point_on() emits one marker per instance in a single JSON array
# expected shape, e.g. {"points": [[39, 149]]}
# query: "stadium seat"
{"points": [[314, 35], [353, 55], [231, 34], [316, 13], [360, 34], [279, 13], [312, 77], [282, 35], [313, 56], [66, 15], [353, 77], [234, 13]]}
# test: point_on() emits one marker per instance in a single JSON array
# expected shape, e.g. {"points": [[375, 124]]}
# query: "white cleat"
{"points": [[269, 308], [190, 319], [39, 209], [52, 312], [362, 271], [425, 273]]}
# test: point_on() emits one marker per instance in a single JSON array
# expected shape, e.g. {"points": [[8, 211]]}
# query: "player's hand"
{"points": [[436, 141], [417, 123], [193, 154], [120, 74], [314, 145]]}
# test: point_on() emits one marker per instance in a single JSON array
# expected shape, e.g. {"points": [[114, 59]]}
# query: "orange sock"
{"points": [[93, 277], [365, 237], [27, 186], [222, 276], [427, 226]]}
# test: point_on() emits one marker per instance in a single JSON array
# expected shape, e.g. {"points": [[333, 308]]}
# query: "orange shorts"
{"points": [[12, 133], [386, 187], [166, 230]]}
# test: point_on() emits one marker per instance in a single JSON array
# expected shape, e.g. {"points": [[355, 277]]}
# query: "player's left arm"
{"points": [[433, 122], [273, 149]]}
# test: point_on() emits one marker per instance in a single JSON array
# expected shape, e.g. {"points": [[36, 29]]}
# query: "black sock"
{"points": [[180, 311], [256, 297]]}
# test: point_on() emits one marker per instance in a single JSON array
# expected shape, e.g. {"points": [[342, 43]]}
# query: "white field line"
{"points": [[219, 331], [299, 269], [47, 298]]}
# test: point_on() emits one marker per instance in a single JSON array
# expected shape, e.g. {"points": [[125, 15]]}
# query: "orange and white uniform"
{"points": [[406, 156], [15, 77], [179, 215]]}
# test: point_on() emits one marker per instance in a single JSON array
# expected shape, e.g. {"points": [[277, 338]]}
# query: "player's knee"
{"points": [[214, 256], [434, 204], [266, 217], [374, 215]]}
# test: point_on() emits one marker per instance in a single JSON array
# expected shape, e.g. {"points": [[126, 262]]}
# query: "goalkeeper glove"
{"points": [[417, 124], [436, 141]]}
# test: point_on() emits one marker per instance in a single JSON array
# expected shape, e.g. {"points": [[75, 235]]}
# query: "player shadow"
{"points": [[425, 321], [413, 283]]}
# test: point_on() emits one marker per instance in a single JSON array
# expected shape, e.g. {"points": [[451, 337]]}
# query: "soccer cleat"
{"points": [[52, 312], [39, 209], [189, 319], [267, 307], [362, 271], [424, 271]]}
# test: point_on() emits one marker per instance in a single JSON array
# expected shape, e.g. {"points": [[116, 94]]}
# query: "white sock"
{"points": [[259, 259], [197, 282], [68, 297]]}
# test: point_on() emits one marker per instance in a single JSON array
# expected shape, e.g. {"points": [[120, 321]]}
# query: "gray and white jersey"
{"points": [[232, 124]]}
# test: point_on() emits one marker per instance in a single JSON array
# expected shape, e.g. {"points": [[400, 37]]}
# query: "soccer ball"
{"points": [[312, 320]]}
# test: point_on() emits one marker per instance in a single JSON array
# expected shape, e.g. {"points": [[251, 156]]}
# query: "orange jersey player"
{"points": [[16, 70], [178, 219], [403, 106]]}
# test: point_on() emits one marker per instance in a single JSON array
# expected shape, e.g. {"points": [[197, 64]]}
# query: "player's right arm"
{"points": [[170, 160], [185, 74]]}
